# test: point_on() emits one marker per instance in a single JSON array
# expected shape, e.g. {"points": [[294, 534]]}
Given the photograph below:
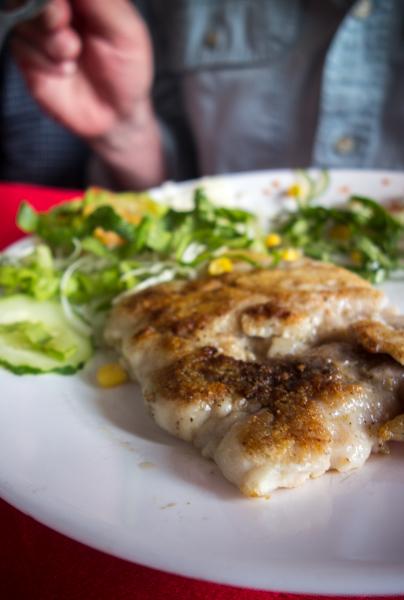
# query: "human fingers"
{"points": [[58, 45], [30, 58], [117, 20], [57, 14], [49, 34]]}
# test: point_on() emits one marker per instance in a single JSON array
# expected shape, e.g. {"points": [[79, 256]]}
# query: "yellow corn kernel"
{"points": [[110, 239], [290, 254], [357, 257], [131, 217], [218, 266], [272, 240], [340, 233], [88, 209], [294, 190], [111, 375]]}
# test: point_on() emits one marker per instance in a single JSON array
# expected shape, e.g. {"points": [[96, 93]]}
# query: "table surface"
{"points": [[38, 563]]}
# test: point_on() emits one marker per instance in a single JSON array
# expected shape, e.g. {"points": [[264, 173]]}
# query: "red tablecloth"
{"points": [[39, 564]]}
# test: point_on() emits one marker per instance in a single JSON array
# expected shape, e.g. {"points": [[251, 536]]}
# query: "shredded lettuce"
{"points": [[34, 274], [93, 250], [360, 235]]}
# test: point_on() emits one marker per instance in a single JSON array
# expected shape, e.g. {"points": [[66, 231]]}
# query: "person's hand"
{"points": [[88, 63]]}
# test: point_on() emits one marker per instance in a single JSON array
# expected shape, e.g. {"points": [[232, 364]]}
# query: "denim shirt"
{"points": [[286, 83], [254, 84]]}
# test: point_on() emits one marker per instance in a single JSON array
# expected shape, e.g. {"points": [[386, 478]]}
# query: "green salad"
{"points": [[360, 234], [86, 253]]}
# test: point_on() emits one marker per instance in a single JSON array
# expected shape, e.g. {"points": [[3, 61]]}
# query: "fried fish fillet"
{"points": [[262, 370], [278, 423], [244, 315], [382, 337]]}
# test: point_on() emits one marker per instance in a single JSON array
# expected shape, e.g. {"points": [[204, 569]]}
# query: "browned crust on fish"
{"points": [[289, 391], [185, 308], [378, 337]]}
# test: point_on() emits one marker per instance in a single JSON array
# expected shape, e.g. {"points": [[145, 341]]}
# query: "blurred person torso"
{"points": [[242, 85]]}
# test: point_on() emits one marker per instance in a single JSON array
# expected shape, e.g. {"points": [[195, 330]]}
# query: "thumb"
{"points": [[117, 20]]}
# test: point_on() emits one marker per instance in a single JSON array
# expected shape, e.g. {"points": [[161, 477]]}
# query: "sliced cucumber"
{"points": [[63, 350]]}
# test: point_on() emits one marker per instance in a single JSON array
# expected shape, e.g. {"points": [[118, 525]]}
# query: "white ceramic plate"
{"points": [[92, 465]]}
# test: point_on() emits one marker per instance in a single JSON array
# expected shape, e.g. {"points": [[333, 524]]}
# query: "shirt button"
{"points": [[362, 9], [211, 39], [345, 145]]}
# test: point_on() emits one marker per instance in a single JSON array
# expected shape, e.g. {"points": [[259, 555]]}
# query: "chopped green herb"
{"points": [[361, 235], [96, 248]]}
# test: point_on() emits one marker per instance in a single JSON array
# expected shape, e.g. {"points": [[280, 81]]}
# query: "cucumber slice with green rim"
{"points": [[24, 347]]}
